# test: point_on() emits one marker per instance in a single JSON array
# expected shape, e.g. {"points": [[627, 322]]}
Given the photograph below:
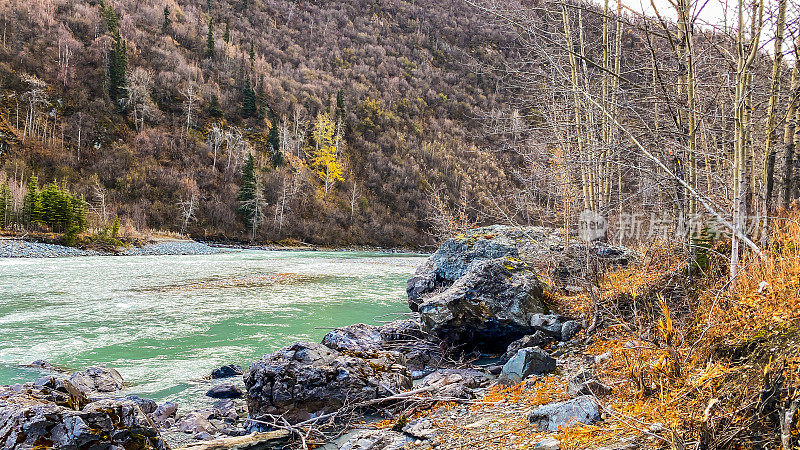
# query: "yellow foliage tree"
{"points": [[324, 161]]}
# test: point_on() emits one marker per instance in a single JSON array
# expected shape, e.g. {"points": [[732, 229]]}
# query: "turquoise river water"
{"points": [[166, 321]]}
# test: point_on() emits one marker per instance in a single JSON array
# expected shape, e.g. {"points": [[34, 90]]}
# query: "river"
{"points": [[164, 322]]}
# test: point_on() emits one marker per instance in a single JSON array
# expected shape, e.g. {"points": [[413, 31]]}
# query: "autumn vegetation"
{"points": [[356, 114]]}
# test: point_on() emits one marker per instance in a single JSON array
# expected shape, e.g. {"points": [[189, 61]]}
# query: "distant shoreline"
{"points": [[16, 247]]}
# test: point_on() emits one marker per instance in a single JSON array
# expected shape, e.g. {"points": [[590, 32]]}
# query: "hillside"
{"points": [[149, 108]]}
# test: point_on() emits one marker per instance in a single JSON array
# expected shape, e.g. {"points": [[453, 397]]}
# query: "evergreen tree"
{"points": [[166, 27], [32, 203], [340, 103], [115, 228], [249, 107], [117, 55], [227, 36], [252, 54], [247, 192], [79, 212], [214, 108], [50, 205], [210, 40], [6, 205]]}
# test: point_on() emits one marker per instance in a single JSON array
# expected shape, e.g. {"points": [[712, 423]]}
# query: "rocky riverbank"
{"points": [[481, 321], [18, 248]]}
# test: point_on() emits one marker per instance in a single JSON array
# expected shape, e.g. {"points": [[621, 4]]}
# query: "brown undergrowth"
{"points": [[695, 361]]}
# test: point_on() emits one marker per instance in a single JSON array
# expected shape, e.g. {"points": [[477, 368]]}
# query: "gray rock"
{"points": [[547, 444], [226, 410], [358, 338], [42, 365], [494, 369], [28, 419], [60, 391], [164, 413], [458, 383], [421, 428], [307, 379], [549, 324], [98, 379], [570, 329], [203, 436], [197, 422], [225, 391], [551, 416], [488, 307], [147, 405], [405, 337], [229, 370], [376, 440], [528, 361], [537, 339], [585, 383]]}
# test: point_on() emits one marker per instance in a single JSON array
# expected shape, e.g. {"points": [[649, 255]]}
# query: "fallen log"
{"points": [[256, 441]]}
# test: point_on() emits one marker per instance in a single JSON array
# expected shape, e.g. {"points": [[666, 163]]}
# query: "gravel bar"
{"points": [[17, 248]]}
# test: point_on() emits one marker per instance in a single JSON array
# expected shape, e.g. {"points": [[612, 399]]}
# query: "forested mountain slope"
{"points": [[360, 115]]}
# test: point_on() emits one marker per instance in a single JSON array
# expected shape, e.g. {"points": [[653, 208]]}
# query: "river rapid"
{"points": [[164, 322]]}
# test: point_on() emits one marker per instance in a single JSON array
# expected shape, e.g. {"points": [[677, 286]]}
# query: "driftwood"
{"points": [[256, 441]]}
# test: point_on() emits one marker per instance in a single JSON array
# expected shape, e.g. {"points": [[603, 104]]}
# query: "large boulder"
{"points": [[29, 418], [546, 250], [481, 287], [452, 260], [96, 380], [487, 308], [307, 379]]}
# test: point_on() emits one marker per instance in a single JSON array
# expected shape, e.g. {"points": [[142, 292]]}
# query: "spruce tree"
{"points": [[227, 36], [210, 40], [247, 192], [249, 107], [273, 140], [32, 203], [50, 206], [115, 228], [340, 103], [252, 54], [117, 55], [214, 108], [166, 27]]}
